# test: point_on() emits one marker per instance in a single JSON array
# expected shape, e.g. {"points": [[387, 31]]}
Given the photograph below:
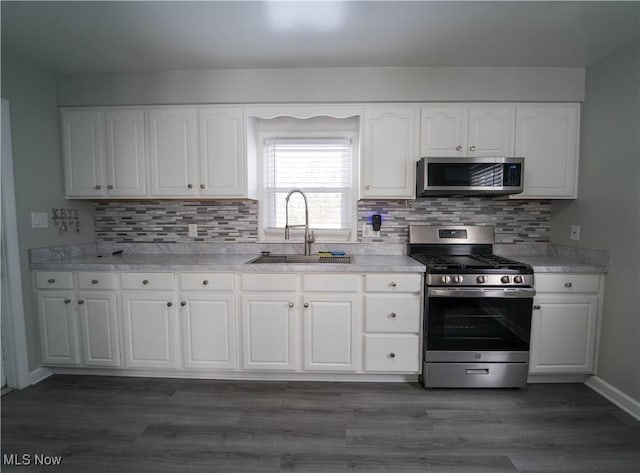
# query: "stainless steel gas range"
{"points": [[477, 313]]}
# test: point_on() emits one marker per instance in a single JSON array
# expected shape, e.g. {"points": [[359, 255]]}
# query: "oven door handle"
{"points": [[512, 293]]}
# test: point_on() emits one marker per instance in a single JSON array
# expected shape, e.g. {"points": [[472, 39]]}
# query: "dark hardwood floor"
{"points": [[107, 424]]}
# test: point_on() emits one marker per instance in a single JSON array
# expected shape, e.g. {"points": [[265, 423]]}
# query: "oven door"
{"points": [[483, 324]]}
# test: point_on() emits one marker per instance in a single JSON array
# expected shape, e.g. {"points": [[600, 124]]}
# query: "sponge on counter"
{"points": [[331, 253]]}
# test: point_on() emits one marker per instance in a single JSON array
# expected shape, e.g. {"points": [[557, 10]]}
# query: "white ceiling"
{"points": [[90, 37]]}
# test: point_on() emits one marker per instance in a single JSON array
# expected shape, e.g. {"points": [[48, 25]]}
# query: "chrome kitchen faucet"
{"points": [[308, 236]]}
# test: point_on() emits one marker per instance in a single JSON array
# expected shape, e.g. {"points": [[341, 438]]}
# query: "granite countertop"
{"points": [[554, 264], [224, 262]]}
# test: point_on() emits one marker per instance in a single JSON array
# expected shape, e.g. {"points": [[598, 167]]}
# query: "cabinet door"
{"points": [[83, 150], [443, 131], [268, 331], [390, 152], [99, 328], [332, 333], [547, 136], [490, 130], [208, 331], [222, 160], [563, 334], [172, 151], [149, 330], [58, 330], [126, 162]]}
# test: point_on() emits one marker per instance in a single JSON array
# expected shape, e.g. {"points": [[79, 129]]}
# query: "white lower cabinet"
{"points": [[58, 328], [149, 330], [99, 328], [564, 324], [391, 352]]}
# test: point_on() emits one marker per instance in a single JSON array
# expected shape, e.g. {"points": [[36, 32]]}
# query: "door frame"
{"points": [[16, 358]]}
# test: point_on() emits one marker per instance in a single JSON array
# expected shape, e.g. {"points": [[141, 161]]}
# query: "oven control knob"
{"points": [[518, 279], [445, 279], [505, 279], [457, 279], [481, 279]]}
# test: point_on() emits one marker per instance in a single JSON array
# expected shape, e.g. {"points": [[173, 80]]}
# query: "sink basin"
{"points": [[300, 259]]}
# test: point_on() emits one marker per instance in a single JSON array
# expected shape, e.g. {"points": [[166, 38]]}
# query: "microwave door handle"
{"points": [[517, 293]]}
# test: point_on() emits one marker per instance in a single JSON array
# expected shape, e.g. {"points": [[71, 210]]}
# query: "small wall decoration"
{"points": [[66, 220]]}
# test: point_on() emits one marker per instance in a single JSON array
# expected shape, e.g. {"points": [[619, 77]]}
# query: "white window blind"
{"points": [[322, 169]]}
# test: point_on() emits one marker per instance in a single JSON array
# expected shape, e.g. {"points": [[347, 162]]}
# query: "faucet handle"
{"points": [[312, 237]]}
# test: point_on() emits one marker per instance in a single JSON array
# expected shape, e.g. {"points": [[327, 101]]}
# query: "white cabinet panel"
{"points": [[392, 313], [206, 281], [331, 333], [269, 331], [148, 281], [443, 130], [125, 152], [172, 151], [547, 135], [391, 353], [58, 330], [97, 280], [54, 280], [99, 328], [269, 282], [393, 282], [390, 152], [567, 283], [330, 282], [490, 130], [149, 330], [208, 331]]}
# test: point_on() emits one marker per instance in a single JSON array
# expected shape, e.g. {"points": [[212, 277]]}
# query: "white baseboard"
{"points": [[613, 394], [40, 374]]}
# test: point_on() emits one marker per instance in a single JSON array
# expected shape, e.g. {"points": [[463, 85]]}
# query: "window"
{"points": [[322, 167]]}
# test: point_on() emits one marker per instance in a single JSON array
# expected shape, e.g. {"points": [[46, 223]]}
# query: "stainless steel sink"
{"points": [[300, 259]]}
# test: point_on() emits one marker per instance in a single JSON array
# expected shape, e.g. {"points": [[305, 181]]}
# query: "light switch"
{"points": [[39, 220], [575, 232]]}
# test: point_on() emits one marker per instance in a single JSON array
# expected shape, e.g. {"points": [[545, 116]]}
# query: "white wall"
{"points": [[39, 183], [364, 84], [608, 207]]}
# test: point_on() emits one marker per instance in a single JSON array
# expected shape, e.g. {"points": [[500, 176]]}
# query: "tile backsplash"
{"points": [[167, 221]]}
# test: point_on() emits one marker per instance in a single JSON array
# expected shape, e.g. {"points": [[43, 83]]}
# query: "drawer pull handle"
{"points": [[183, 303], [393, 315], [478, 371], [290, 304], [537, 307], [67, 301], [169, 304], [306, 304], [145, 282], [568, 284], [393, 284], [109, 186], [189, 186], [205, 282], [94, 281], [458, 148], [392, 355], [472, 148], [80, 302], [51, 280]]}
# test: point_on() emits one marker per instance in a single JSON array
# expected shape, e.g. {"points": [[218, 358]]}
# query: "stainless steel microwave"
{"points": [[469, 176]]}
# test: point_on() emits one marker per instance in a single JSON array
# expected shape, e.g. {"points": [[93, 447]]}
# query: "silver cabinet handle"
{"points": [[205, 282], [393, 315], [183, 303], [67, 301], [291, 304], [306, 304], [169, 304], [189, 186], [472, 148], [80, 302], [98, 187], [536, 307], [392, 355], [458, 148], [94, 281], [51, 280], [367, 187], [393, 284], [202, 186], [145, 282], [568, 284], [110, 186]]}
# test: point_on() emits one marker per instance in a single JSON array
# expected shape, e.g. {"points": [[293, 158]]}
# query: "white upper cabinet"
{"points": [[125, 153], [547, 135], [172, 151], [104, 152], [222, 165], [467, 130], [390, 152], [84, 152]]}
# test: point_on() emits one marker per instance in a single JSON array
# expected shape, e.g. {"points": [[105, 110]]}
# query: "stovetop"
{"points": [[473, 263]]}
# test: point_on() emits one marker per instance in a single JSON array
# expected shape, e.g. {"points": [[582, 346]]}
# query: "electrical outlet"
{"points": [[193, 229], [39, 220], [367, 231], [575, 232]]}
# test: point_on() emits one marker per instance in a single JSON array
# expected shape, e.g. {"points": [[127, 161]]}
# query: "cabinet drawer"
{"points": [[97, 280], [330, 282], [206, 281], [390, 313], [391, 353], [268, 282], [393, 282], [147, 281], [567, 282], [54, 280]]}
